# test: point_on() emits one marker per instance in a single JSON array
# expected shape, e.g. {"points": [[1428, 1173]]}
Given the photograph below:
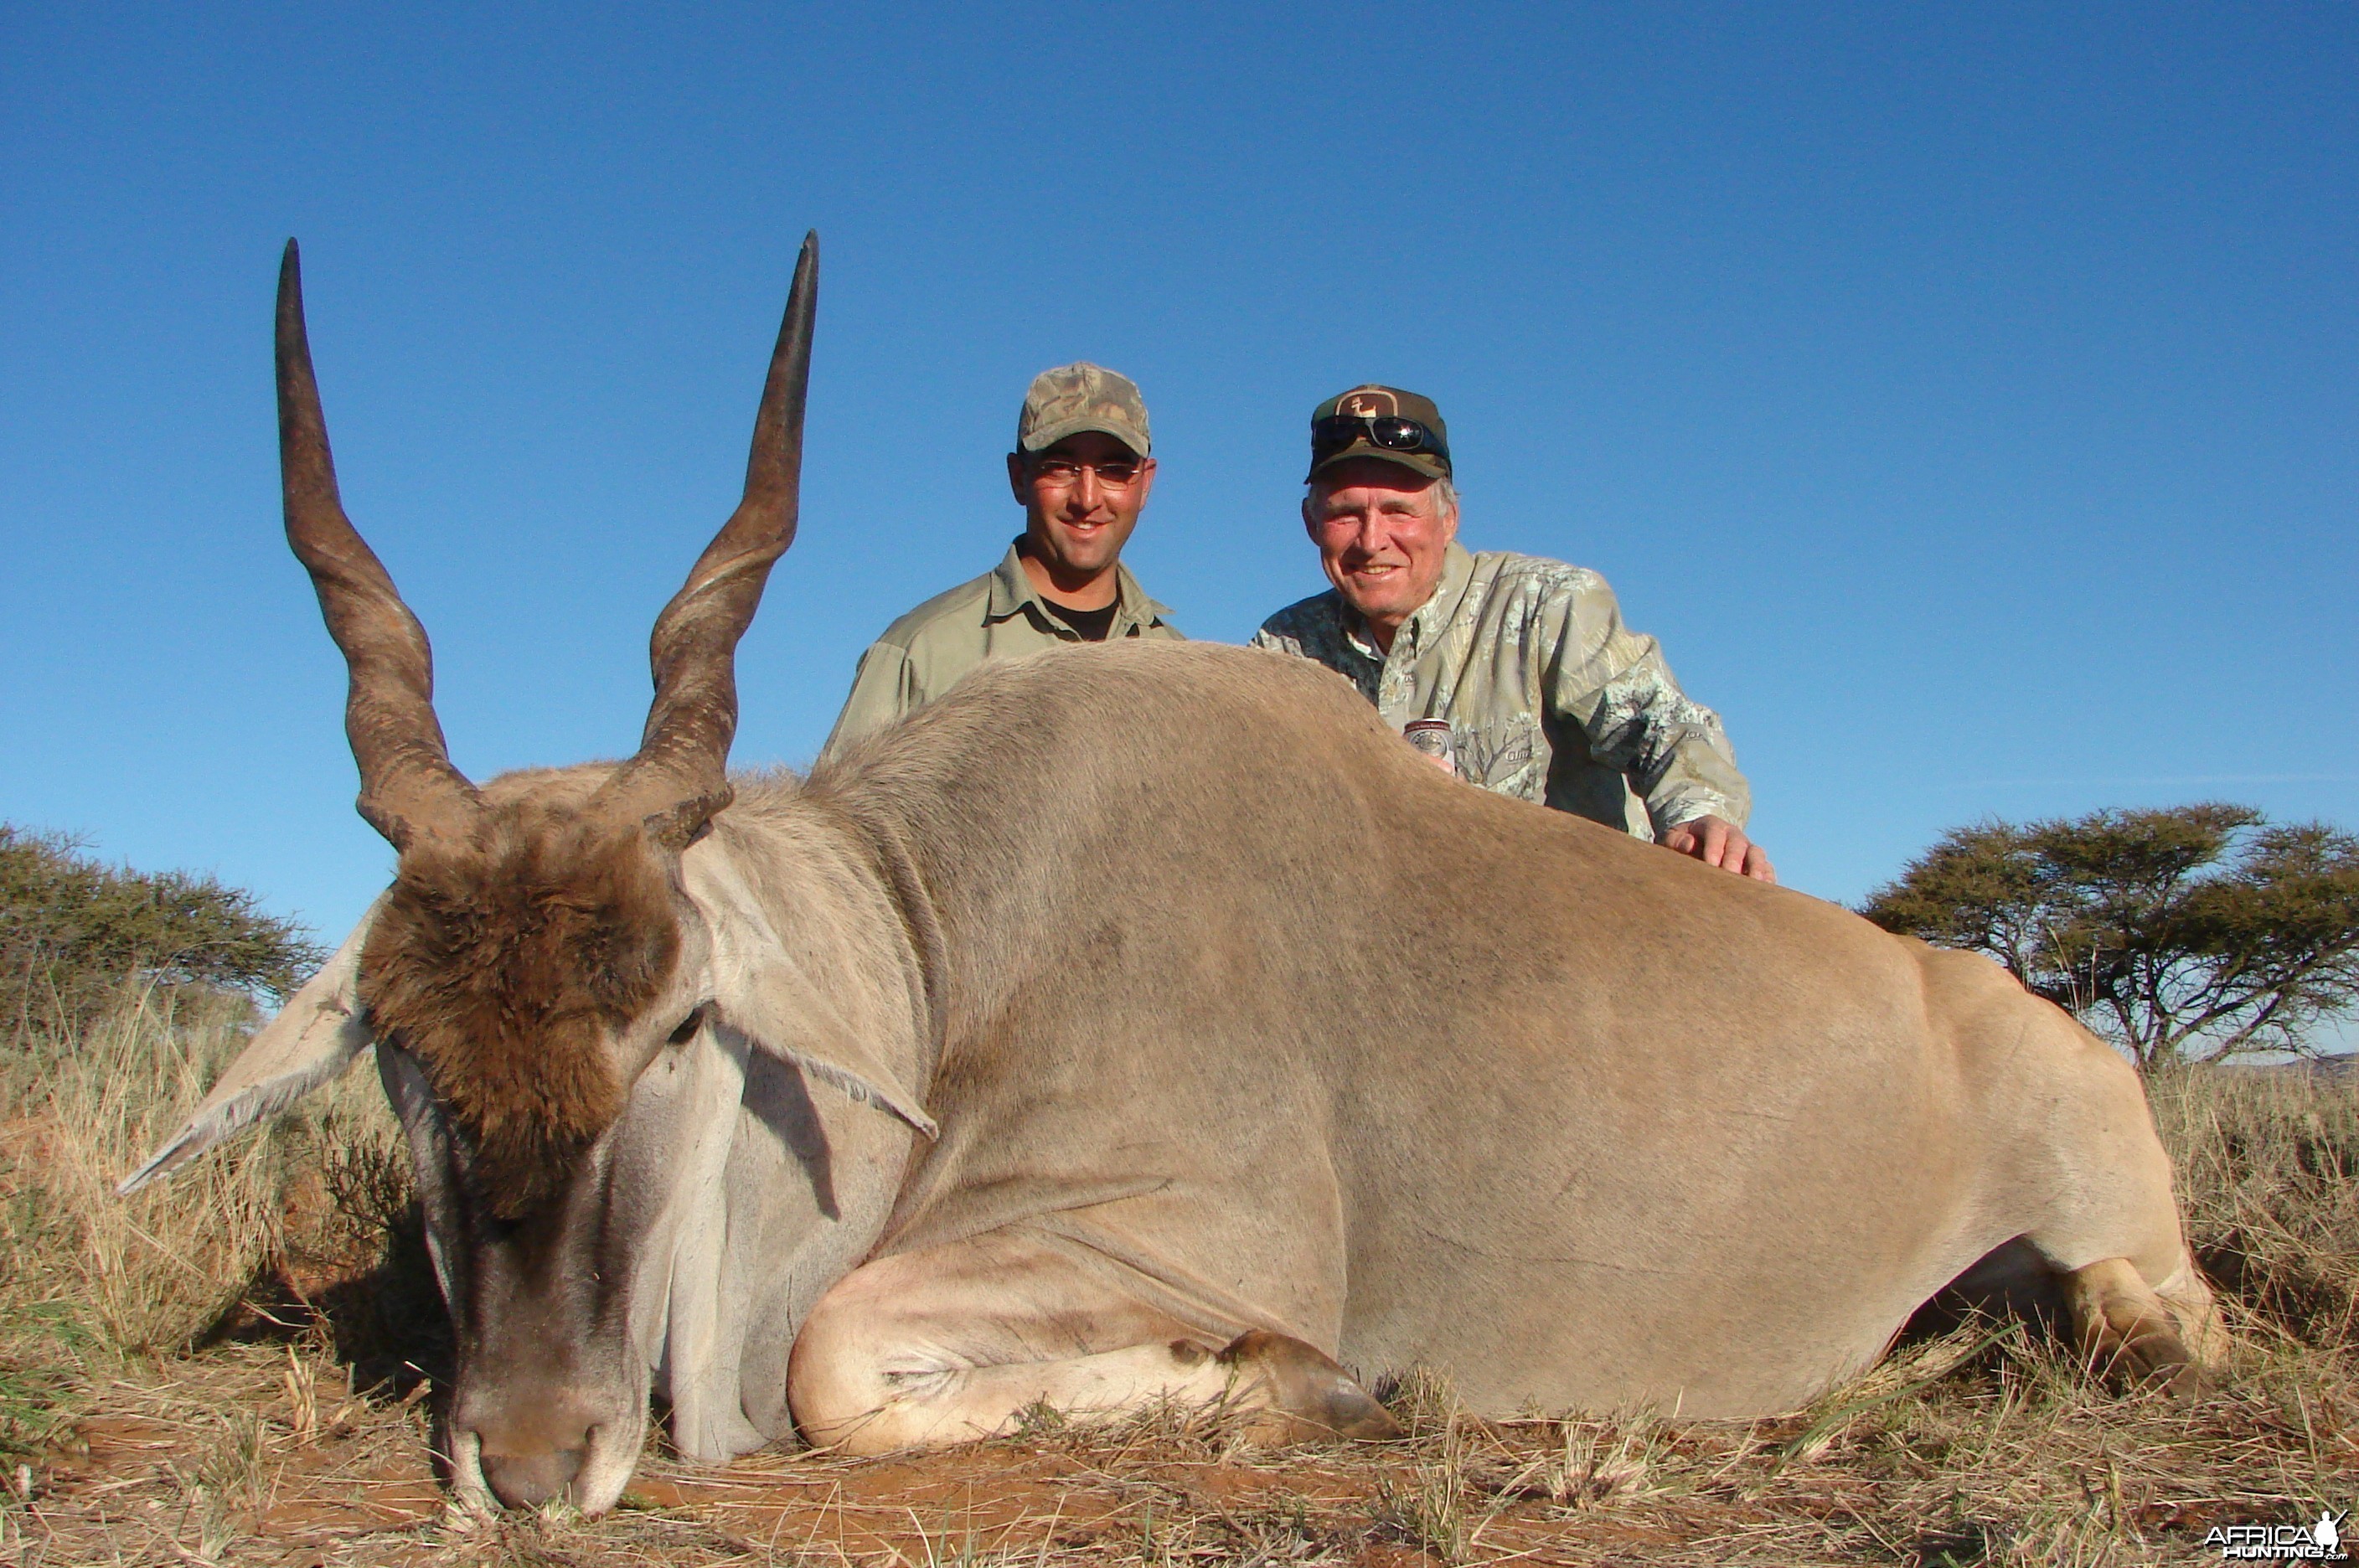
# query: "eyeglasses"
{"points": [[1389, 431], [1062, 473]]}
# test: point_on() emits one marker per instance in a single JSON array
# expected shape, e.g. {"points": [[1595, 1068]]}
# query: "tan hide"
{"points": [[1247, 1008]]}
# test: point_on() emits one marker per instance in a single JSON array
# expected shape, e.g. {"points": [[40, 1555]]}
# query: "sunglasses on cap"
{"points": [[1391, 432]]}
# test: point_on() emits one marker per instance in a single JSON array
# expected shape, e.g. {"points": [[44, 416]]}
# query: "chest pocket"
{"points": [[1507, 755]]}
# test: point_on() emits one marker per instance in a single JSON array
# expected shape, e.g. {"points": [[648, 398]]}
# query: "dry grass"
{"points": [[233, 1369], [90, 1283]]}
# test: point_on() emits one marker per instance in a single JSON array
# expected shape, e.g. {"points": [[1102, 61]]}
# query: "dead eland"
{"points": [[858, 1106]]}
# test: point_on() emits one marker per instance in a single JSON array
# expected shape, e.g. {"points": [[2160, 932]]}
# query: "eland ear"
{"points": [[860, 1078], [310, 1042], [839, 1034]]}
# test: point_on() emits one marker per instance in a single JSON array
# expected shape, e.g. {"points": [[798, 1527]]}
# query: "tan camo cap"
{"points": [[1081, 396]]}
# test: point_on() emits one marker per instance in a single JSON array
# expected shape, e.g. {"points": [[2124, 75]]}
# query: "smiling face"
{"points": [[1075, 521], [1382, 532]]}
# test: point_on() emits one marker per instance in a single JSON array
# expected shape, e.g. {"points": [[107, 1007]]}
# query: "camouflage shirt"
{"points": [[998, 616], [1550, 697]]}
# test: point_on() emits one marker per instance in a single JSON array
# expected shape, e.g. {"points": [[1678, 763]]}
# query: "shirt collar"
{"points": [[1012, 591]]}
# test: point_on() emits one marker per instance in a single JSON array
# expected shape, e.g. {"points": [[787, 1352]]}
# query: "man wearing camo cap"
{"points": [[1547, 695], [1081, 470]]}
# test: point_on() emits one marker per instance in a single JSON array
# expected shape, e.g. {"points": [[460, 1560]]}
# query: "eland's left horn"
{"points": [[680, 772]]}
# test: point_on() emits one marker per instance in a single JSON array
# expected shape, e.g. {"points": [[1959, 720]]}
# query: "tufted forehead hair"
{"points": [[505, 963]]}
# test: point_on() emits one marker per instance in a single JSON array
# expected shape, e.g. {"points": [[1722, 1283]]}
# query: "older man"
{"points": [[1082, 468], [1547, 695]]}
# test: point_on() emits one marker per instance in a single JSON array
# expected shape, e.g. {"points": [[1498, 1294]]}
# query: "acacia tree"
{"points": [[2194, 933], [73, 928]]}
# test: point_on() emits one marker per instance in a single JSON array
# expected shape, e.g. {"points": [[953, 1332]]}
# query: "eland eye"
{"points": [[688, 1027]]}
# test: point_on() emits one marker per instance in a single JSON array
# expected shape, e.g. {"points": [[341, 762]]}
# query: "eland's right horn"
{"points": [[409, 789]]}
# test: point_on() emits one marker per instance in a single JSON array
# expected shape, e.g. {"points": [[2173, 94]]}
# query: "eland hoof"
{"points": [[1311, 1397]]}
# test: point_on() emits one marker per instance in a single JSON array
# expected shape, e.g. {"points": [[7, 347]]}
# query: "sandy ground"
{"points": [[256, 1452]]}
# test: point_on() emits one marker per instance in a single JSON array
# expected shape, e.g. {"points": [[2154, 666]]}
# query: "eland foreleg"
{"points": [[968, 1340]]}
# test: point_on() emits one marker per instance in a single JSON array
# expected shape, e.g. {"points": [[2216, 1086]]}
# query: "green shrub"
{"points": [[73, 929]]}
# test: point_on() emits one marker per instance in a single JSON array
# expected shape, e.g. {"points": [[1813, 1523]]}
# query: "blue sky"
{"points": [[1966, 396]]}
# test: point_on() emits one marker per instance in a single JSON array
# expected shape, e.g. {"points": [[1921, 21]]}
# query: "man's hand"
{"points": [[1717, 842]]}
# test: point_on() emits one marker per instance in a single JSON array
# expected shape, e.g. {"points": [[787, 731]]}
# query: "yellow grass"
{"points": [[88, 1280], [234, 1368]]}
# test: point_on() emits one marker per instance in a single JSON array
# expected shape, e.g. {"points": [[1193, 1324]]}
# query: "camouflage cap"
{"points": [[1081, 396], [1429, 458]]}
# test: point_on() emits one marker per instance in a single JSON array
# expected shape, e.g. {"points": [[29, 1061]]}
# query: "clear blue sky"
{"points": [[1965, 395]]}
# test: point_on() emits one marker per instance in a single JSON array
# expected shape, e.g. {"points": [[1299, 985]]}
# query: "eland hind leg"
{"points": [[959, 1342], [2091, 1177], [2066, 1159], [2137, 1304]]}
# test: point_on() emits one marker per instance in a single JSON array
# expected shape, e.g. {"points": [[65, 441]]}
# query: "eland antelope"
{"points": [[1138, 1023]]}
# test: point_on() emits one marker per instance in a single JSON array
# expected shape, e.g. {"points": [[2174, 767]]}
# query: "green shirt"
{"points": [[998, 616], [1549, 696]]}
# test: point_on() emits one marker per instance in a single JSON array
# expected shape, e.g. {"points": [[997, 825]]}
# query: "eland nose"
{"points": [[527, 1480], [531, 1455]]}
